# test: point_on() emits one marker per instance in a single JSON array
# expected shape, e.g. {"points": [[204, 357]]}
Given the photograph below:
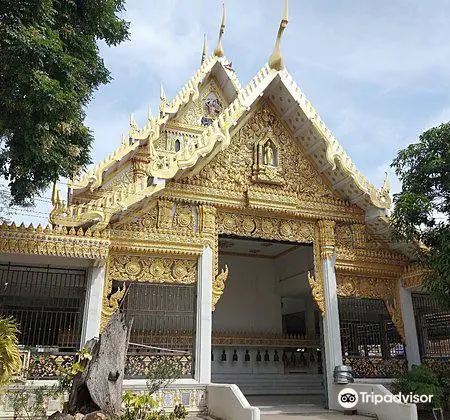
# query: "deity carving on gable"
{"points": [[266, 165], [212, 108], [269, 155]]}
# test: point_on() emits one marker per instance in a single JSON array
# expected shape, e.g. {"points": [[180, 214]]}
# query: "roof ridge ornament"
{"points": [[204, 50], [276, 61], [219, 52]]}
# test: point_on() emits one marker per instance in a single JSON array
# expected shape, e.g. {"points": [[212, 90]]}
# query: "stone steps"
{"points": [[274, 384]]}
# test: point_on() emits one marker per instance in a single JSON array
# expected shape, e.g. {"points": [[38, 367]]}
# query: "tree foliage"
{"points": [[422, 209], [49, 68]]}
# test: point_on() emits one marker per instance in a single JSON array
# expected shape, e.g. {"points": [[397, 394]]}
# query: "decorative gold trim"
{"points": [[327, 241], [219, 286], [317, 292], [414, 276], [54, 241]]}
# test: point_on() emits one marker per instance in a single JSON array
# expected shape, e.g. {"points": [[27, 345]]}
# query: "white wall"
{"points": [[250, 301]]}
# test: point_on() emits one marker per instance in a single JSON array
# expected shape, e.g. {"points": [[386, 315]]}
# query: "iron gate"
{"points": [[163, 325], [433, 326], [370, 341], [46, 302]]}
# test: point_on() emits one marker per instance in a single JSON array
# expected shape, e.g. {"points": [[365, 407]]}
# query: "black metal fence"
{"points": [[164, 317], [370, 341], [433, 326], [47, 303]]}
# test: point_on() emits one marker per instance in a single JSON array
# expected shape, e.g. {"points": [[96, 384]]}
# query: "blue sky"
{"points": [[378, 72]]}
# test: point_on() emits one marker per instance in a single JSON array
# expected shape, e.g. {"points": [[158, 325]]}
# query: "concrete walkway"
{"points": [[290, 411], [312, 416]]}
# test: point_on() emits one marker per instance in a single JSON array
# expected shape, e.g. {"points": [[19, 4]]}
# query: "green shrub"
{"points": [[141, 407], [420, 380]]}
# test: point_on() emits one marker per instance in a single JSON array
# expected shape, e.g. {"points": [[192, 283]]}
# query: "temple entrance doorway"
{"points": [[266, 327]]}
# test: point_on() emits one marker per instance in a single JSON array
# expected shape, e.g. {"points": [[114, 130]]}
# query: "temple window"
{"points": [[177, 145]]}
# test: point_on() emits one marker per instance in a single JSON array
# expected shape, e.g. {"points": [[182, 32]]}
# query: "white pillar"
{"points": [[331, 327], [93, 306], [204, 318], [409, 325]]}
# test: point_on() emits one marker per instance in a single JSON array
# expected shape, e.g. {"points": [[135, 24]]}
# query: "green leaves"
{"points": [[49, 68], [422, 209]]}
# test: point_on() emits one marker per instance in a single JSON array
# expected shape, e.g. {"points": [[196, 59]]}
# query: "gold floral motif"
{"points": [[359, 235], [256, 226], [248, 225], [219, 286], [152, 269], [133, 267], [184, 218]]}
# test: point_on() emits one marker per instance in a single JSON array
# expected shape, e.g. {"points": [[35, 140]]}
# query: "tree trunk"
{"points": [[99, 387]]}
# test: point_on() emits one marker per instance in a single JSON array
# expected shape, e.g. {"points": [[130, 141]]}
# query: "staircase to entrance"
{"points": [[306, 387]]}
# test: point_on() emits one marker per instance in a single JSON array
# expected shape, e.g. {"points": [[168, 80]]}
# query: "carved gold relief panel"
{"points": [[356, 236], [262, 153], [271, 228]]}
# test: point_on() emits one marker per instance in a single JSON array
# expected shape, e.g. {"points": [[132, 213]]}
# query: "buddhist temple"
{"points": [[240, 237]]}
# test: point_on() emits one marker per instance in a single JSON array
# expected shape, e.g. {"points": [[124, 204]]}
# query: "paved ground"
{"points": [[312, 416], [303, 412]]}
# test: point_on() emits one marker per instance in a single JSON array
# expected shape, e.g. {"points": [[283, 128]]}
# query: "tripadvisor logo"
{"points": [[348, 398]]}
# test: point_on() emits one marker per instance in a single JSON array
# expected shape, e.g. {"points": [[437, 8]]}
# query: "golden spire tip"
{"points": [[204, 49], [219, 52], [276, 59]]}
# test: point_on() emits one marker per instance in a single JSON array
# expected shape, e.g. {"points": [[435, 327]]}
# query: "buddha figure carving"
{"points": [[269, 155]]}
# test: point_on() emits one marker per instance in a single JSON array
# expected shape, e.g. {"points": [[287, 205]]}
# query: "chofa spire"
{"points": [[219, 52], [204, 49], [276, 59]]}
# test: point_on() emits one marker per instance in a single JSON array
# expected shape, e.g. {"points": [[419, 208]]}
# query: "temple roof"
{"points": [[278, 85], [108, 191]]}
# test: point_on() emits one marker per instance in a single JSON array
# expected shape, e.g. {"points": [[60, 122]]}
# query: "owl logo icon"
{"points": [[348, 398]]}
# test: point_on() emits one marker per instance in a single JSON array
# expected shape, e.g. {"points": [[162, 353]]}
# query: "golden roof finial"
{"points": [[56, 199], [132, 121], [219, 52], [204, 49], [162, 94], [386, 188], [276, 59]]}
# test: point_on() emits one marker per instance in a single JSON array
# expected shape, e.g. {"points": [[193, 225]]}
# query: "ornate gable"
{"points": [[263, 156], [205, 109]]}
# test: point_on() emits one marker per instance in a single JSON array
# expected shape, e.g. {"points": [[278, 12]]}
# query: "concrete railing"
{"points": [[383, 410], [228, 402]]}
